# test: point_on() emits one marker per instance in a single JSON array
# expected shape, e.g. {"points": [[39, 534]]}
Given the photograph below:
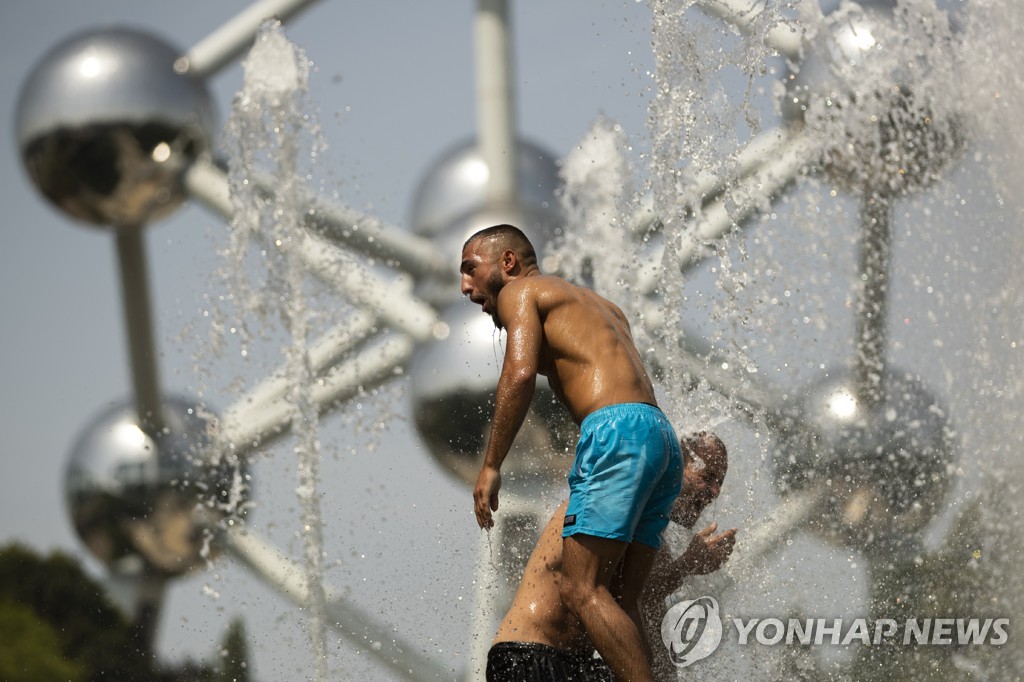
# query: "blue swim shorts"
{"points": [[626, 476]]}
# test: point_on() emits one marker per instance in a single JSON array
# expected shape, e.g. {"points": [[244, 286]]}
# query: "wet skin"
{"points": [[580, 341]]}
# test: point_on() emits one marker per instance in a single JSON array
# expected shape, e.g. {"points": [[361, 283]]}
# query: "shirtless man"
{"points": [[540, 641], [628, 466]]}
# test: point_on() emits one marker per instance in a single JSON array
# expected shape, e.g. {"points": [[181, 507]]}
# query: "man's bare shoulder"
{"points": [[538, 288], [552, 286], [547, 293], [542, 282]]}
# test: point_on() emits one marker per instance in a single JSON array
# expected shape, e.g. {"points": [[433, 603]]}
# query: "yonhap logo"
{"points": [[692, 630]]}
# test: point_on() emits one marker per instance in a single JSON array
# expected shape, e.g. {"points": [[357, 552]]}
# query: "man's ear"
{"points": [[508, 260]]}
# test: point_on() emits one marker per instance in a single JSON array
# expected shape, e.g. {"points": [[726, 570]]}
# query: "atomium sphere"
{"points": [[453, 390], [450, 204], [106, 127], [456, 187], [875, 85], [144, 503], [885, 465]]}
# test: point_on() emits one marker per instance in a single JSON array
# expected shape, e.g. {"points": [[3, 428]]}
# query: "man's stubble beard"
{"points": [[494, 286]]}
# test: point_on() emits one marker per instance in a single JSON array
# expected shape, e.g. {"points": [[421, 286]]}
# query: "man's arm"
{"points": [[517, 309], [705, 554]]}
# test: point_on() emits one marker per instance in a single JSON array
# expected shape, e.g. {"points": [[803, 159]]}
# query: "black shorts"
{"points": [[533, 662]]}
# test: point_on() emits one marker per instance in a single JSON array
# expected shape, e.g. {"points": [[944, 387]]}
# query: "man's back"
{"points": [[586, 349]]}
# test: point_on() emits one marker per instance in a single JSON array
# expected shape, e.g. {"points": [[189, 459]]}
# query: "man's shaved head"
{"points": [[501, 237]]}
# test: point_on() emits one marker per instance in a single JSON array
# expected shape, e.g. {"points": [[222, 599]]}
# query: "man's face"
{"points": [[702, 483], [482, 278]]}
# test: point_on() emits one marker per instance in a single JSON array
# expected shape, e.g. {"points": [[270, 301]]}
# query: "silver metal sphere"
{"points": [[456, 187], [877, 90], [106, 126], [454, 379], [886, 465], [149, 504], [451, 204], [453, 388]]}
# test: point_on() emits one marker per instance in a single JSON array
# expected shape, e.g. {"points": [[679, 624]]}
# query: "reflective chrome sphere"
{"points": [[453, 388], [454, 379], [886, 466], [106, 126], [144, 503], [456, 186], [451, 204], [874, 83]]}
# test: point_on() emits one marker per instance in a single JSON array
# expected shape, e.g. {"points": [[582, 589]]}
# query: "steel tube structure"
{"points": [[873, 300], [748, 193], [244, 427], [357, 626], [759, 542], [235, 36], [368, 235], [134, 271], [373, 237], [705, 186], [323, 354], [785, 38], [743, 390], [495, 112], [208, 184], [392, 301], [768, 145]]}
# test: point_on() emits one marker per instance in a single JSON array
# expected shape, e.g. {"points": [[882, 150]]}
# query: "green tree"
{"points": [[30, 649], [234, 665], [57, 624], [91, 632]]}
